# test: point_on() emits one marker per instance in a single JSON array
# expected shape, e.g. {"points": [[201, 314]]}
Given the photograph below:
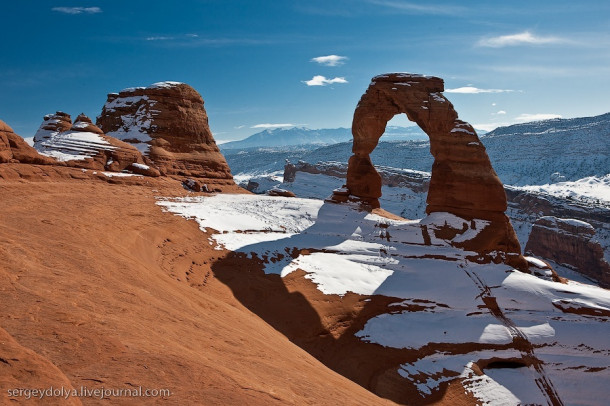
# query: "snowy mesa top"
{"points": [[159, 85]]}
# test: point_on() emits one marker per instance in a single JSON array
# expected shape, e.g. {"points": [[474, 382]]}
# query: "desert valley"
{"points": [[139, 256]]}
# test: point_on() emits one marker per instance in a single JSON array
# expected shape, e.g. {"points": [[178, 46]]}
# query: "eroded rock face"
{"points": [[84, 124], [52, 124], [569, 242], [463, 181], [14, 149], [84, 145], [168, 123]]}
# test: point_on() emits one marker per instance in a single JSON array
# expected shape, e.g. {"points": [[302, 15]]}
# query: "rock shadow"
{"points": [[323, 325]]}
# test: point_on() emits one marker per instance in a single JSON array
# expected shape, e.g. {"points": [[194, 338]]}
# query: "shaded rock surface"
{"points": [[463, 181], [168, 123], [569, 242]]}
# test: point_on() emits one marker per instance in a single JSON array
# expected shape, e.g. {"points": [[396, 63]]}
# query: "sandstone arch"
{"points": [[463, 181]]}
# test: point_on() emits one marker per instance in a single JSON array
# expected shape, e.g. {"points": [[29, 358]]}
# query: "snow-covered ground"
{"points": [[592, 189], [355, 251], [400, 200], [410, 204]]}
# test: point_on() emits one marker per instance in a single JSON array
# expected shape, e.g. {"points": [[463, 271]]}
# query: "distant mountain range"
{"points": [[523, 154], [282, 137]]}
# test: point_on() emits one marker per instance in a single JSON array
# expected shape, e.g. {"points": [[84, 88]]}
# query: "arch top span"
{"points": [[463, 181]]}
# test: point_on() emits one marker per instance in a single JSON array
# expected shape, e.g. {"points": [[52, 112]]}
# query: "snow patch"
{"points": [[73, 145]]}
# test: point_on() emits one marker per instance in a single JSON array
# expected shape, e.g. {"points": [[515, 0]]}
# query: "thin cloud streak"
{"points": [[77, 10], [330, 60], [320, 80], [522, 38], [159, 38], [476, 90], [414, 8], [194, 41]]}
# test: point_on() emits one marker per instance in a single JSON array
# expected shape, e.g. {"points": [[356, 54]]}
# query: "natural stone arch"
{"points": [[463, 181]]}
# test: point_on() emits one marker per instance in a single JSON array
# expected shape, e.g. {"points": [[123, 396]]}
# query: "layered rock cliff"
{"points": [[569, 242], [168, 123]]}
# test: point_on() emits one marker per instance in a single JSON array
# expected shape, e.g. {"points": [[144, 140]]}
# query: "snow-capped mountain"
{"points": [[282, 137]]}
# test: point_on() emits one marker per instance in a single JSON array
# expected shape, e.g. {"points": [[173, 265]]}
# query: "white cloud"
{"points": [[536, 117], [268, 125], [77, 10], [239, 127], [330, 60], [501, 112], [522, 38], [320, 80], [187, 37], [475, 90]]}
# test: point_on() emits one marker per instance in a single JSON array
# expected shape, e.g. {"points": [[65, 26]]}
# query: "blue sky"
{"points": [[257, 63]]}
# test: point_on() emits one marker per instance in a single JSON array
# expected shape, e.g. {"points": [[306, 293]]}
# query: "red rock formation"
{"points": [[280, 192], [84, 145], [463, 181], [569, 242], [84, 124], [290, 172], [167, 121], [14, 149], [52, 124]]}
